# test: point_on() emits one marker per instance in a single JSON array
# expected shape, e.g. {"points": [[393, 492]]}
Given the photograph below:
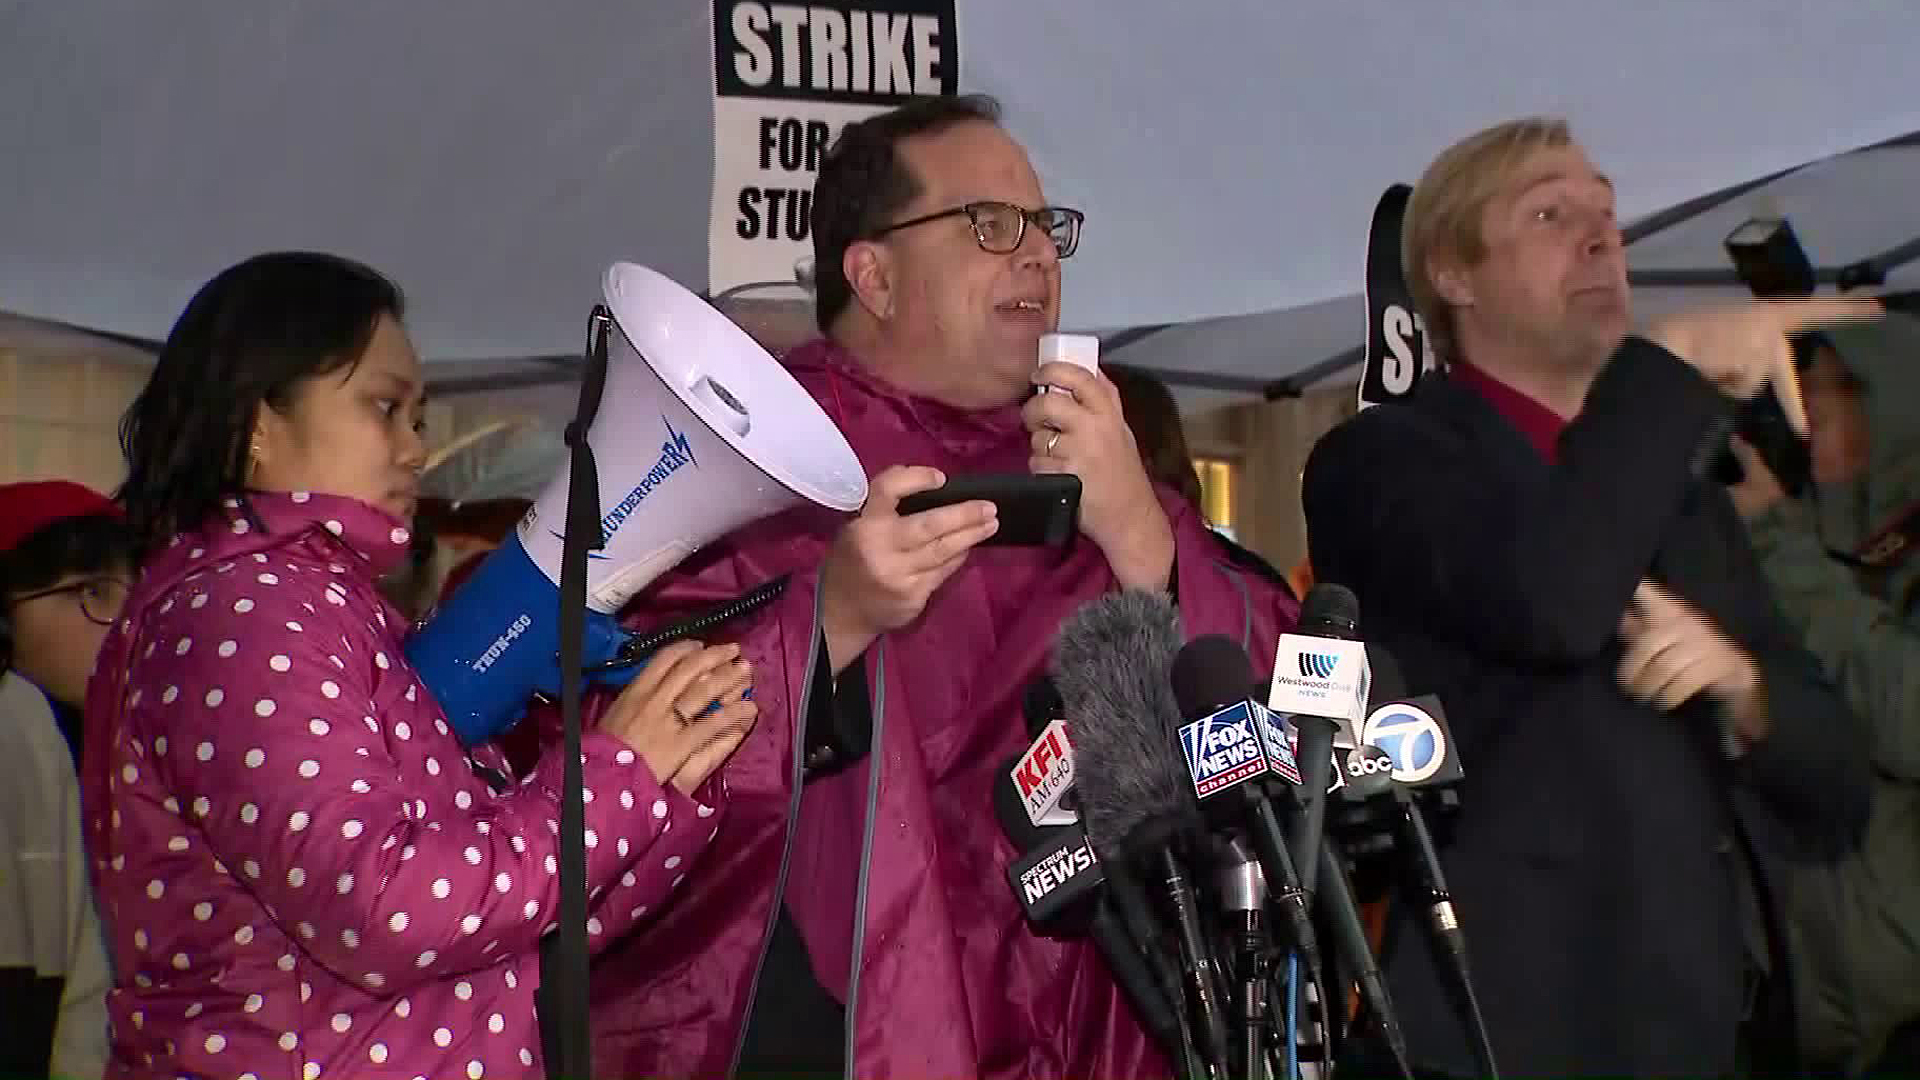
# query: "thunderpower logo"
{"points": [[675, 453], [1318, 665]]}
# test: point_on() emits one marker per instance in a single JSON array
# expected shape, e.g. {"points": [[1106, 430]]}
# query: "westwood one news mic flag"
{"points": [[1321, 679], [1322, 669]]}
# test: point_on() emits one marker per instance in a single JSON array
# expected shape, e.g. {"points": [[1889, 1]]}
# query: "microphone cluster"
{"points": [[1206, 840]]}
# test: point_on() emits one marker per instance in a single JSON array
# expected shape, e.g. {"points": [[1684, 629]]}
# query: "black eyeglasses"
{"points": [[100, 597], [1000, 228]]}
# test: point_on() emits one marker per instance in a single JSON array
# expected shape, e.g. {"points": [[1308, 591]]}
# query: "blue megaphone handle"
{"points": [[496, 642]]}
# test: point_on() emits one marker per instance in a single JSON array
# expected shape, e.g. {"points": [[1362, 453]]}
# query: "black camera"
{"points": [[1769, 259], [1763, 424]]}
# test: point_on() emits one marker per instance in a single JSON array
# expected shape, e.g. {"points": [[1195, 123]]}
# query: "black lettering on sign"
{"points": [[774, 214], [1403, 331], [792, 144], [1399, 351], [871, 54]]}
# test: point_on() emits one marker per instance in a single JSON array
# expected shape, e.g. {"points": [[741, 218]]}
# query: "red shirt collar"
{"points": [[1540, 425]]}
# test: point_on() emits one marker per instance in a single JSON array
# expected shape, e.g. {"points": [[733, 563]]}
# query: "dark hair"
{"points": [[248, 336], [1154, 418], [70, 547], [863, 182]]}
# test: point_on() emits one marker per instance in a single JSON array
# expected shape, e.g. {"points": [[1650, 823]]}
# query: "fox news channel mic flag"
{"points": [[1240, 742], [1398, 352], [787, 79]]}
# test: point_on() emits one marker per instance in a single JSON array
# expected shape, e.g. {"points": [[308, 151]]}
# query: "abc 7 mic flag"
{"points": [[1414, 734], [1398, 351]]}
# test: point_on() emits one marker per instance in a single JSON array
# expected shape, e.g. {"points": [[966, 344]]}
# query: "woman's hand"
{"points": [[663, 714]]}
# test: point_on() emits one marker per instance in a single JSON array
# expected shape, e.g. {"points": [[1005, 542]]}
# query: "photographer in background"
{"points": [[1838, 556]]}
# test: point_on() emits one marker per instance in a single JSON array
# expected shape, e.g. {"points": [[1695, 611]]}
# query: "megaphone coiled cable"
{"points": [[640, 647]]}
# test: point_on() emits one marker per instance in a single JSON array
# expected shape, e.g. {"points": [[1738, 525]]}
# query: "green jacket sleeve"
{"points": [[1865, 645]]}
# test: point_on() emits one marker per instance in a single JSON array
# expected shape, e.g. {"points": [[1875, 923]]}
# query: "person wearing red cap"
{"points": [[65, 561]]}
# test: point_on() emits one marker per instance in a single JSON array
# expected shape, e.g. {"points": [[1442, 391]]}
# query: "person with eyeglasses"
{"points": [[66, 556], [879, 937]]}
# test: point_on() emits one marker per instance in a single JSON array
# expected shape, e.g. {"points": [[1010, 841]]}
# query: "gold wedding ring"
{"points": [[1051, 440]]}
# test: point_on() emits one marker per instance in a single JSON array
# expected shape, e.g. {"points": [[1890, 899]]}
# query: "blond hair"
{"points": [[1444, 214]]}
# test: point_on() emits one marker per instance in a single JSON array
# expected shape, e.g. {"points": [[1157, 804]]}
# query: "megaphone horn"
{"points": [[701, 428], [699, 432]]}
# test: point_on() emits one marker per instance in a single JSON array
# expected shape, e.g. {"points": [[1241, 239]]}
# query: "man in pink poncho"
{"points": [[864, 923]]}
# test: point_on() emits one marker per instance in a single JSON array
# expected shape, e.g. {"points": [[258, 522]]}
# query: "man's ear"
{"points": [[1450, 281], [869, 270]]}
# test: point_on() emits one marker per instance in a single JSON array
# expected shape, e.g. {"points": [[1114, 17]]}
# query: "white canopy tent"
{"points": [[1854, 212], [1227, 152]]}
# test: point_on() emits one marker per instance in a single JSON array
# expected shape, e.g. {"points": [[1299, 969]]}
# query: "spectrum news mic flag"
{"points": [[1062, 887], [1061, 883], [1057, 868], [1399, 352]]}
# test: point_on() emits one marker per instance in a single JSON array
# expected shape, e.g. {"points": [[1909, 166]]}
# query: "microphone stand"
{"points": [[1253, 965], [1243, 896], [1130, 900], [1350, 933], [1288, 1016], [1445, 924], [1194, 962]]}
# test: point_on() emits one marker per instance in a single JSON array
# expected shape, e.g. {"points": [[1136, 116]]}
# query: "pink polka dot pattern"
{"points": [[384, 909]]}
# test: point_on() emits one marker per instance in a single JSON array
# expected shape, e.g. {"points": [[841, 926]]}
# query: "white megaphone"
{"points": [[699, 432]]}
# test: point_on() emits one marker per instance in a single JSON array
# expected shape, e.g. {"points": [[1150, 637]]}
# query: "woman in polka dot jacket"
{"points": [[301, 872]]}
